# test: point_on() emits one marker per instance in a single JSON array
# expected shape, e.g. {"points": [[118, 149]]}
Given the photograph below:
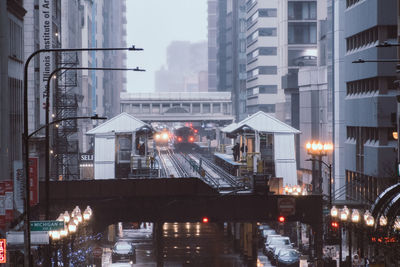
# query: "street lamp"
{"points": [[25, 152], [317, 150]]}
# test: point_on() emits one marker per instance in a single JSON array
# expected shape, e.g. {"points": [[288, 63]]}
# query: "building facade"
{"points": [[11, 85], [370, 102], [212, 9], [263, 81], [231, 53]]}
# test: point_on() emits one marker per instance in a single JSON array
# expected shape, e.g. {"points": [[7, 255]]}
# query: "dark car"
{"points": [[288, 258], [305, 61], [123, 252]]}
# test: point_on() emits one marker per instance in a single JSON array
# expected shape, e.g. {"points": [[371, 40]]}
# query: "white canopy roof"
{"points": [[121, 123], [261, 122]]}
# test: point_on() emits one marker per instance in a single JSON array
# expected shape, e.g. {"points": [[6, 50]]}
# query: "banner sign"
{"points": [[2, 205], [45, 42], [9, 201], [34, 181], [3, 251], [18, 186]]}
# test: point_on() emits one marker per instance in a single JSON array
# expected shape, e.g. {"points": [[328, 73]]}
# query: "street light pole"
{"points": [[25, 150]]}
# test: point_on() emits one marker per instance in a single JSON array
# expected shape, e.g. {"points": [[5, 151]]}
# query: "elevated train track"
{"points": [[196, 165]]}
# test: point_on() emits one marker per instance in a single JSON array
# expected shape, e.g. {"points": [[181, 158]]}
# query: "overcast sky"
{"points": [[152, 25]]}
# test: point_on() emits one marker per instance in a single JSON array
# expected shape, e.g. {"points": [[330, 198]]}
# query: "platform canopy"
{"points": [[260, 122], [122, 123]]}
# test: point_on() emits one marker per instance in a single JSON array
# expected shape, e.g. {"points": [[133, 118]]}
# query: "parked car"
{"points": [[268, 240], [123, 252], [305, 61], [282, 241], [288, 258], [275, 254]]}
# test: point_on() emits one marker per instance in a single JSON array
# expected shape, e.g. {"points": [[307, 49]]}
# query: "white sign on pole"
{"points": [[18, 186], [46, 59], [37, 238]]}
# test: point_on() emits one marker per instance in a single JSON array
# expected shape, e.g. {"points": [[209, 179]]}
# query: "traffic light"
{"points": [[205, 220], [281, 219]]}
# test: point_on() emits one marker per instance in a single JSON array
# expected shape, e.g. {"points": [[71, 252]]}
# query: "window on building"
{"points": [[302, 10], [217, 108], [146, 108], [268, 51], [302, 33], [155, 109], [371, 36], [252, 73], [268, 70], [196, 108], [268, 89], [206, 108], [268, 108], [267, 32], [267, 12], [252, 38]]}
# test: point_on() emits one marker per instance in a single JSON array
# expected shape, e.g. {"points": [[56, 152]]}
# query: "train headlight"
{"points": [[165, 136], [157, 136]]}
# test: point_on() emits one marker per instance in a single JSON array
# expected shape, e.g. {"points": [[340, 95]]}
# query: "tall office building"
{"points": [[11, 79], [212, 44], [231, 52], [185, 70], [263, 81], [370, 102]]}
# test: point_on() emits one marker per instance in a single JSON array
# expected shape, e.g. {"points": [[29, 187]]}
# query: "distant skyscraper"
{"points": [[186, 64], [231, 52], [263, 58], [212, 44]]}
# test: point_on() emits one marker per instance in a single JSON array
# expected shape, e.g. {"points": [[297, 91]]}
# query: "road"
{"points": [[185, 244]]}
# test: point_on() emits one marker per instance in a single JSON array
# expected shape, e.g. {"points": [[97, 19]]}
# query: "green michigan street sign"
{"points": [[46, 225]]}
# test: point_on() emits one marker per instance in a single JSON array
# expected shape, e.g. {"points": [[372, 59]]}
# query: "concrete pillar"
{"points": [[201, 108], [191, 108], [257, 154], [211, 108], [140, 108]]}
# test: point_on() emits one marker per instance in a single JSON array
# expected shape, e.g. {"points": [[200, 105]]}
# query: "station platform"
{"points": [[227, 163]]}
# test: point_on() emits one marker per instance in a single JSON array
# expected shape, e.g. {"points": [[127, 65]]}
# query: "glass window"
{"points": [[267, 31], [268, 70], [267, 12], [146, 108], [196, 108], [155, 108], [304, 10], [206, 108], [268, 51], [302, 33], [217, 108], [268, 89]]}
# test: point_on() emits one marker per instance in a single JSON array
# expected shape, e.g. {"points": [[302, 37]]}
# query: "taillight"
{"points": [[191, 139], [179, 139]]}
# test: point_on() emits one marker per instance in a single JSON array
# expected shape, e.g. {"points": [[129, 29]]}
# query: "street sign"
{"points": [[37, 238], [97, 252], [3, 251], [286, 206], [46, 225]]}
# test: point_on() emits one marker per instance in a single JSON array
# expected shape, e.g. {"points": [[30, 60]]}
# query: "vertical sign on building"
{"points": [[18, 186], [2, 205], [33, 181], [9, 201], [46, 59], [3, 251]]}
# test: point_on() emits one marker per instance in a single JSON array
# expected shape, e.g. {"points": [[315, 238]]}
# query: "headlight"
{"points": [[165, 136], [157, 136]]}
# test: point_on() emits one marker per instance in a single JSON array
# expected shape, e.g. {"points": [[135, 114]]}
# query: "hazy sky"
{"points": [[152, 25]]}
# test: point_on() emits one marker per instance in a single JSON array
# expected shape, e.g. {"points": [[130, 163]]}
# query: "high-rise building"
{"points": [[263, 81], [369, 98], [231, 52], [212, 44], [186, 66], [12, 58]]}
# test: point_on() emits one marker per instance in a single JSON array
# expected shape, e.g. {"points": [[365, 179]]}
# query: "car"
{"points": [[282, 241], [275, 254], [267, 240], [305, 61], [123, 251], [288, 258]]}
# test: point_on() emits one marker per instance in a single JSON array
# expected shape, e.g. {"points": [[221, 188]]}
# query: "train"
{"points": [[162, 138], [184, 137]]}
